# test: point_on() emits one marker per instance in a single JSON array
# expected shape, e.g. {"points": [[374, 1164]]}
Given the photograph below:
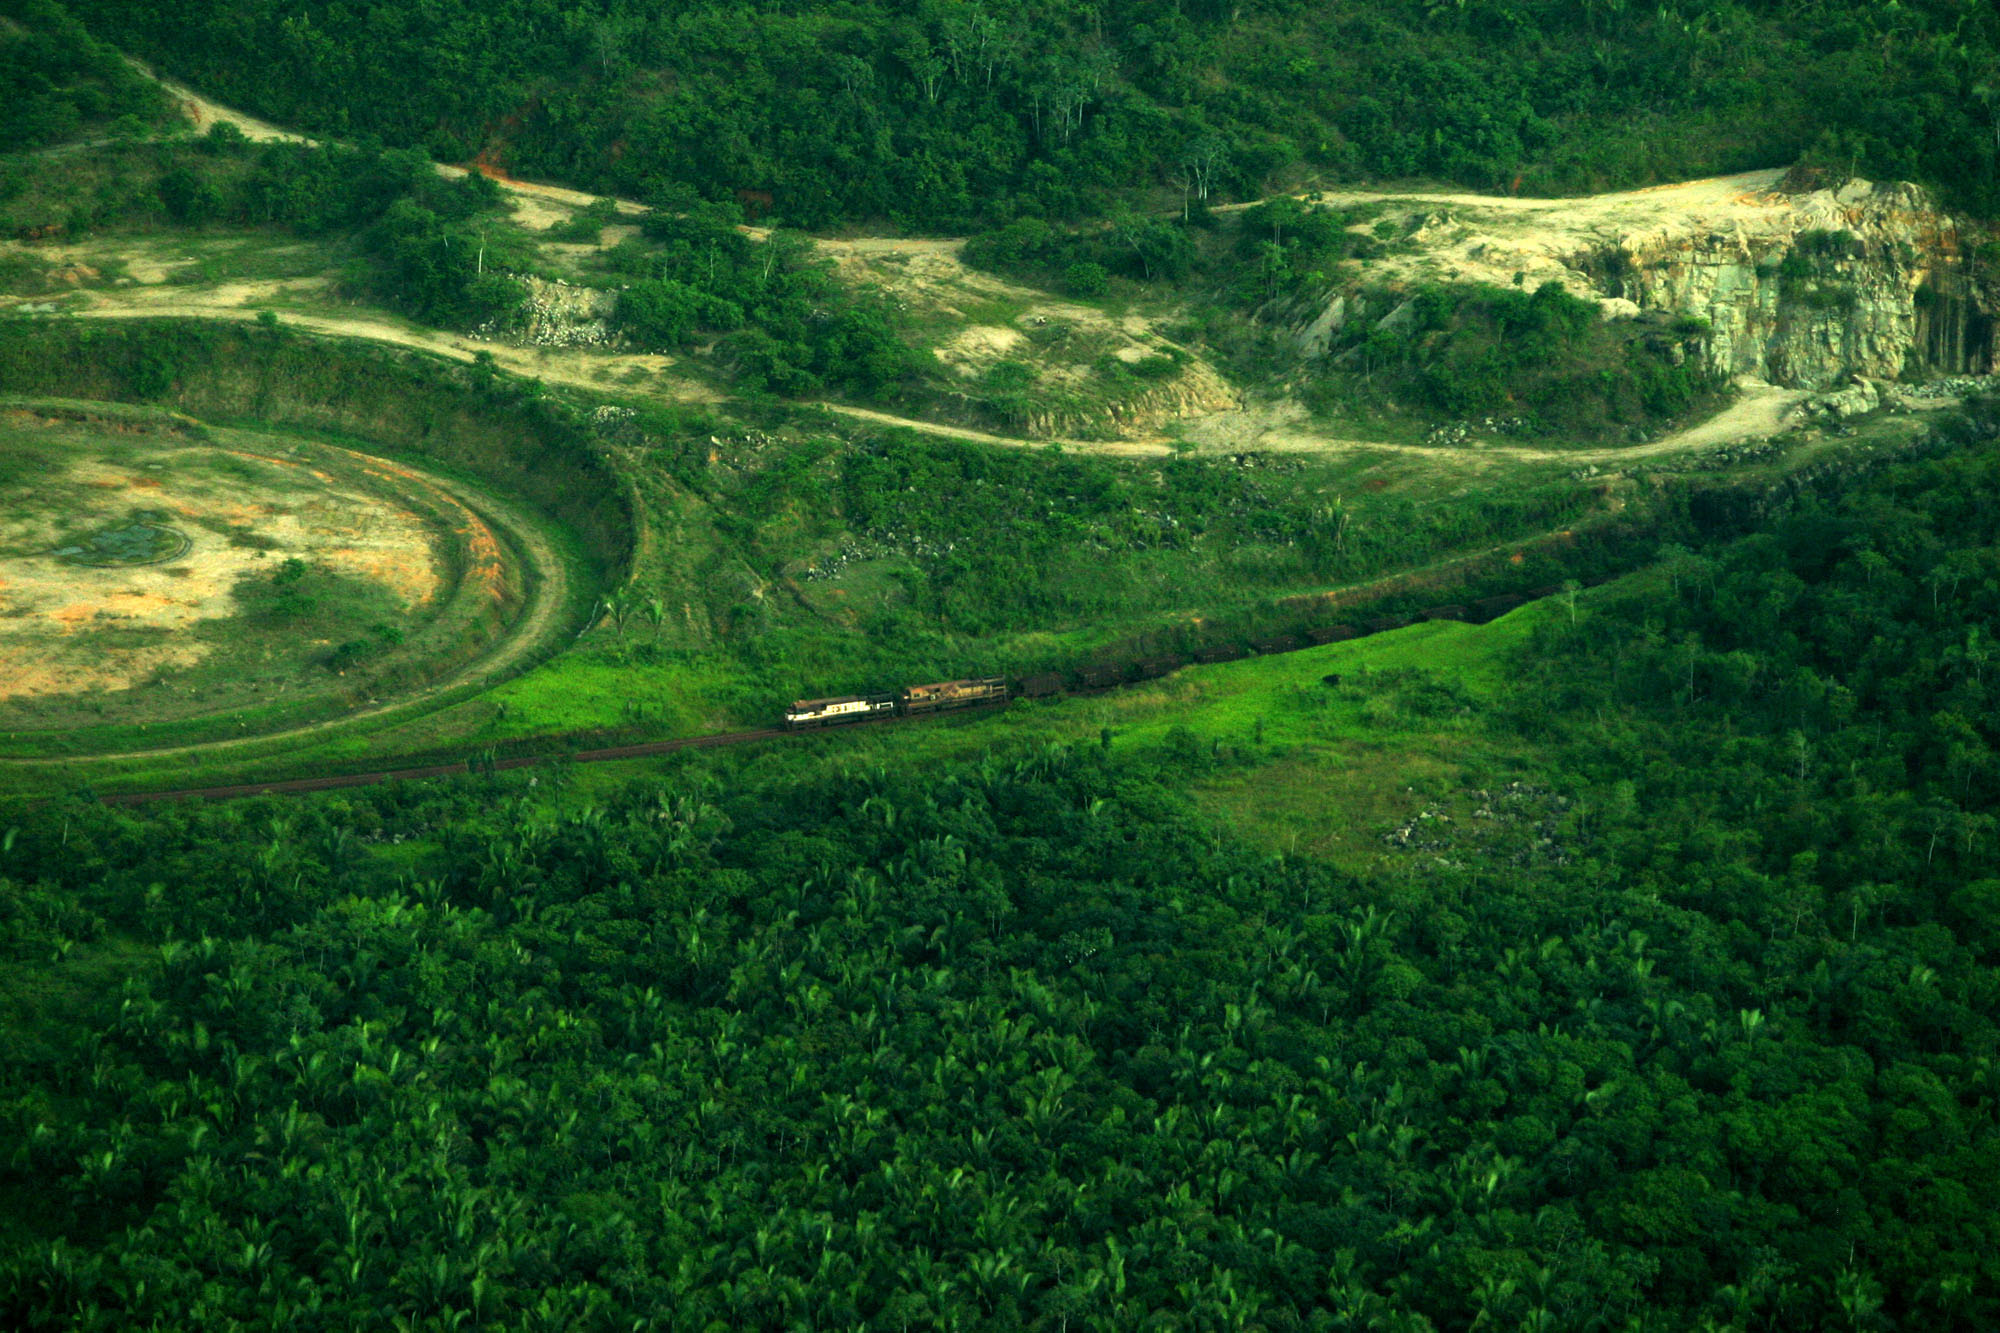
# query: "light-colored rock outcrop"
{"points": [[1856, 400], [1806, 288], [1866, 280], [560, 315]]}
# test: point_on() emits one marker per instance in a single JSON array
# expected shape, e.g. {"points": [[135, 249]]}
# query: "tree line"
{"points": [[947, 116]]}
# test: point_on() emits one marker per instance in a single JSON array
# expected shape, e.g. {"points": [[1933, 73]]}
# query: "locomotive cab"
{"points": [[842, 708]]}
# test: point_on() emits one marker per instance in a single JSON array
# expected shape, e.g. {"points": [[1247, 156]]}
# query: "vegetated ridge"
{"points": [[948, 116]]}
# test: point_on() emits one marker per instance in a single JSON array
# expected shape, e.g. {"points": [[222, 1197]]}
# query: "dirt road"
{"points": [[1758, 414], [1539, 234], [532, 200], [1115, 448], [595, 370]]}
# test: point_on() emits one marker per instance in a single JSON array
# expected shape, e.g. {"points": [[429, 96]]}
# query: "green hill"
{"points": [[945, 115]]}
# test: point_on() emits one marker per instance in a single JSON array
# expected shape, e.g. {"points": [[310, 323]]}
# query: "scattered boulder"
{"points": [[1857, 399]]}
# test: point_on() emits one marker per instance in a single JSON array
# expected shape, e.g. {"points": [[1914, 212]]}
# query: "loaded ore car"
{"points": [[843, 708], [1278, 643], [953, 694], [1452, 612], [1333, 633], [1041, 685], [1221, 652], [1381, 624], [1153, 668], [1100, 677]]}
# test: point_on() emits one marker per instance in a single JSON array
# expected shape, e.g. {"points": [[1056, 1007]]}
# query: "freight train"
{"points": [[909, 701], [913, 700]]}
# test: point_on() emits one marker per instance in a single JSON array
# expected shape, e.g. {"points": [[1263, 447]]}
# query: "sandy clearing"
{"points": [[206, 493], [1674, 198], [1505, 240], [548, 592], [981, 343]]}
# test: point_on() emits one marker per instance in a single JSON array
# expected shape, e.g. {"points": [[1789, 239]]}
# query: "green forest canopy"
{"points": [[945, 114]]}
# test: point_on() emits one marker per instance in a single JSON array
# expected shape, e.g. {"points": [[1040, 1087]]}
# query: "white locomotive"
{"points": [[842, 708], [911, 699]]}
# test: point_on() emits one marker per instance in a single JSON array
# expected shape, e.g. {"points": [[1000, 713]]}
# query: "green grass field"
{"points": [[1268, 748]]}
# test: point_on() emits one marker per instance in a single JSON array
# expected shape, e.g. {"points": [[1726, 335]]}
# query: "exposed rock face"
{"points": [[1805, 288], [1867, 280]]}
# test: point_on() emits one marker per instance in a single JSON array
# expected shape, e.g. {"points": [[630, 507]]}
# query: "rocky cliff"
{"points": [[1802, 287], [1866, 280]]}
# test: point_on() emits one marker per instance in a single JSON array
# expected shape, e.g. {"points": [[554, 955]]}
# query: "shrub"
{"points": [[1086, 279]]}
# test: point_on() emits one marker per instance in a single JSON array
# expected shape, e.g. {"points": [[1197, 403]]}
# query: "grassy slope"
{"points": [[1272, 751]]}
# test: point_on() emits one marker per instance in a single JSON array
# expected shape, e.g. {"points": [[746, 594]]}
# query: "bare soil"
{"points": [[1459, 237], [67, 629]]}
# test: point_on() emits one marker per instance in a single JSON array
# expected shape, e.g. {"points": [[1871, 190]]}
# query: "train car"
{"points": [[1279, 643], [1153, 668], [1100, 677], [843, 708], [953, 694], [1381, 624], [1453, 612], [1041, 685], [1333, 633], [1221, 652]]}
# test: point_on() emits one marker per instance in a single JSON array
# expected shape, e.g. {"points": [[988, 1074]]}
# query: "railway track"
{"points": [[644, 750], [1088, 682], [336, 781]]}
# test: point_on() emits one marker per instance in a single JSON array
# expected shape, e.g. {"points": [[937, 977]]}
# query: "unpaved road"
{"points": [[1757, 414], [532, 201], [1112, 448], [596, 371], [1538, 233]]}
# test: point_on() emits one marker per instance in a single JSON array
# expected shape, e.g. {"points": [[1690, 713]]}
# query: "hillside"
{"points": [[945, 116], [1479, 798]]}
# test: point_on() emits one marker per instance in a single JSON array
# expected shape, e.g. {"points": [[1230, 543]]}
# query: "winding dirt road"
{"points": [[1554, 224], [1758, 413]]}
